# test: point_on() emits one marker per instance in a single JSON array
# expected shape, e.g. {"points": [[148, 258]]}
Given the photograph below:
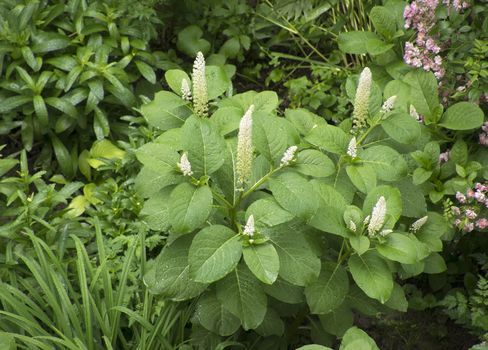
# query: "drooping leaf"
{"points": [[263, 261]]}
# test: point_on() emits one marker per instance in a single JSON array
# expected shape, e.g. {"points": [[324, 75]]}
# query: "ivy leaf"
{"points": [[214, 252], [168, 274], [206, 147], [212, 315], [190, 207], [263, 261], [372, 275], [329, 290], [241, 294]]}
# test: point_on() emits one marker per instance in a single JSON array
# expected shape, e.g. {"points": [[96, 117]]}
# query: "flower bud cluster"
{"points": [[471, 211], [484, 135]]}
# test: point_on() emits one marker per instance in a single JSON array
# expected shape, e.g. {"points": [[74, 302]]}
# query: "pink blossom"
{"points": [[460, 197], [468, 227], [444, 157], [482, 223], [470, 214]]}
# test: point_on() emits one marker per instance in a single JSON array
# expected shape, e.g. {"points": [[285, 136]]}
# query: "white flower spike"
{"points": [[352, 148], [417, 225], [361, 101], [249, 229], [378, 216], [244, 147], [185, 90], [184, 165], [200, 98], [288, 156]]}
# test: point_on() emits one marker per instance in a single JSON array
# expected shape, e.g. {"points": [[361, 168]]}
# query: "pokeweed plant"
{"points": [[269, 217]]}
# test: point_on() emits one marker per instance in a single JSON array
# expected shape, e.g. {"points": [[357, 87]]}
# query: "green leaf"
{"points": [[146, 71], [284, 291], [269, 136], [413, 200], [190, 41], [205, 146], [423, 91], [399, 247], [41, 110], [104, 149], [393, 203], [227, 119], [356, 339], [329, 138], [398, 301], [355, 42], [217, 81], [168, 274], [360, 244], [383, 21], [329, 290], [241, 293], [190, 207], [158, 157], [268, 212], [6, 164], [420, 175], [313, 347], [62, 156], [101, 124], [214, 252], [329, 214], [294, 193], [271, 325], [338, 321], [362, 176], [166, 111], [149, 181], [63, 105], [388, 163], [401, 127], [303, 120], [156, 211], [7, 341], [10, 103], [434, 264], [174, 78], [372, 275], [263, 261], [314, 163], [298, 263], [462, 116], [212, 315]]}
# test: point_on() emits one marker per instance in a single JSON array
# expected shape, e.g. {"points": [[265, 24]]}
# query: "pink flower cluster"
{"points": [[423, 53], [484, 135], [472, 205], [444, 156]]}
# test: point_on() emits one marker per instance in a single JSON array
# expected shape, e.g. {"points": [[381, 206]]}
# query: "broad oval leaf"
{"points": [[214, 252], [263, 261], [214, 317], [190, 206], [372, 275], [398, 247], [241, 293], [205, 146], [314, 163], [329, 290], [462, 116]]}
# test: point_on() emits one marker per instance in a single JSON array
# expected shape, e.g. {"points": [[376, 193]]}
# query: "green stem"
{"points": [[258, 183]]}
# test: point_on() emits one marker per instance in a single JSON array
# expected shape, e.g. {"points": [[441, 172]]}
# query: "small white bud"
{"points": [[288, 156], [378, 216], [388, 104], [417, 225], [385, 233], [352, 148], [351, 226], [249, 228], [184, 165], [414, 114], [185, 90]]}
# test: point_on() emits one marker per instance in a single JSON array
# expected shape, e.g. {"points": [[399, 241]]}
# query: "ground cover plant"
{"points": [[243, 175]]}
